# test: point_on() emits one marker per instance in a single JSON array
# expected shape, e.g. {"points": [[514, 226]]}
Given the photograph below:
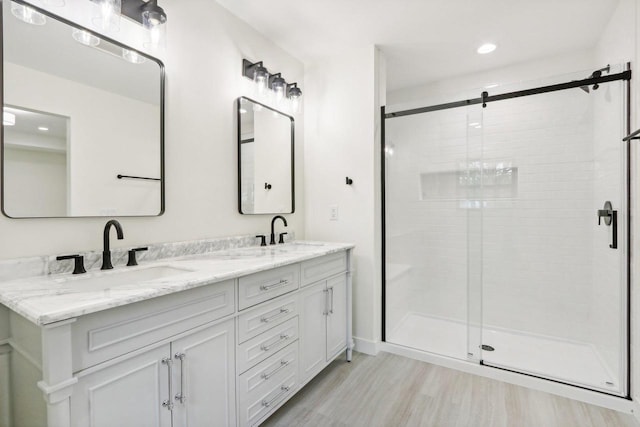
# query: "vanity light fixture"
{"points": [[8, 119], [107, 15], [294, 93], [145, 12], [153, 19], [257, 72], [278, 85], [27, 14], [85, 37]]}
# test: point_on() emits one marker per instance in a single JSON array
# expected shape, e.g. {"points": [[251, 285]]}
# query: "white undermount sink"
{"points": [[117, 278]]}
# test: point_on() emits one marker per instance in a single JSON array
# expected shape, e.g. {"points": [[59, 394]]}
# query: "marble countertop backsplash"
{"points": [[44, 291]]}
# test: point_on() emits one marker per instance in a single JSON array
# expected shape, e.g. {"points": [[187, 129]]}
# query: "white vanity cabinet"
{"points": [[323, 324], [227, 353], [186, 382]]}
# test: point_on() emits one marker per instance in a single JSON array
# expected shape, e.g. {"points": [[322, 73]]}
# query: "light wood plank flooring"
{"points": [[390, 390]]}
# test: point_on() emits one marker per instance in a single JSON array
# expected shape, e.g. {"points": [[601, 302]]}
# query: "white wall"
{"points": [[341, 114], [203, 65], [36, 182]]}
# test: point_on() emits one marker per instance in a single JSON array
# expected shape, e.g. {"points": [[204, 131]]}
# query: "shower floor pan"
{"points": [[566, 361]]}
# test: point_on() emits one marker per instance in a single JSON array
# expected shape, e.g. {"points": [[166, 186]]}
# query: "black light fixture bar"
{"points": [[485, 98]]}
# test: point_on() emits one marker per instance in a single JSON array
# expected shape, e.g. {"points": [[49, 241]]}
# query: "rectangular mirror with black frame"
{"points": [[265, 159], [83, 121]]}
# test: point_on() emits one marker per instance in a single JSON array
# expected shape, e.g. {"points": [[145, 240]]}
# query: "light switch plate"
{"points": [[333, 212]]}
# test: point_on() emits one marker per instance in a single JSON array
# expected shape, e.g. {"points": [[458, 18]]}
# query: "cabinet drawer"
{"points": [[320, 268], [104, 335], [266, 316], [264, 345], [264, 387], [266, 285]]}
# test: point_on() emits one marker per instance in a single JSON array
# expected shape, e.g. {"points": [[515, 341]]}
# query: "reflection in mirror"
{"points": [[265, 151], [78, 110], [35, 163]]}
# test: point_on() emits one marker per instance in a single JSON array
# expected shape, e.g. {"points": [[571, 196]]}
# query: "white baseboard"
{"points": [[372, 348]]}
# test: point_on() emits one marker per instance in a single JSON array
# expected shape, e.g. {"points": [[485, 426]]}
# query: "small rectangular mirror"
{"points": [[265, 159], [83, 121]]}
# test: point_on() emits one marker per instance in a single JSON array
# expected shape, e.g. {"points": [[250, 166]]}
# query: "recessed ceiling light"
{"points": [[486, 48], [43, 128]]}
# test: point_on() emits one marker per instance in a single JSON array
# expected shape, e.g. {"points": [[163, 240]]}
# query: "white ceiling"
{"points": [[427, 40]]}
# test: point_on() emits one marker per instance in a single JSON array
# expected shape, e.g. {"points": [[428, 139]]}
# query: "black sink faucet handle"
{"points": [[78, 267], [132, 255], [263, 239], [281, 239]]}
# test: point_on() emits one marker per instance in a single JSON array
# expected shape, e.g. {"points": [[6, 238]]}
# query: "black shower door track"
{"points": [[485, 99]]}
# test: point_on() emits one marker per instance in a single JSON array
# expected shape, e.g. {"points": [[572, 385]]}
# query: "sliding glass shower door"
{"points": [[505, 232], [554, 247]]}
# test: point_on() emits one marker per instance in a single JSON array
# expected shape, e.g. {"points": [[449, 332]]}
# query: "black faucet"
{"points": [[273, 222], [106, 252]]}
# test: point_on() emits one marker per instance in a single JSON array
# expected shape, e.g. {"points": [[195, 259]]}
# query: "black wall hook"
{"points": [[349, 181], [485, 95], [267, 186]]}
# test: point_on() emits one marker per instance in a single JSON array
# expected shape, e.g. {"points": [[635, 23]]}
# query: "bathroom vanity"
{"points": [[221, 338]]}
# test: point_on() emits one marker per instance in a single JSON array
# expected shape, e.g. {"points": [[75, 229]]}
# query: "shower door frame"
{"points": [[484, 99]]}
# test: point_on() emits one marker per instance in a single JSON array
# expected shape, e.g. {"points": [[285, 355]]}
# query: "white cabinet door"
{"points": [[313, 331], [127, 394], [204, 376], [337, 316]]}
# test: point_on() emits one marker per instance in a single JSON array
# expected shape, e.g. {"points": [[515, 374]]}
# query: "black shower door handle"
{"points": [[610, 219]]}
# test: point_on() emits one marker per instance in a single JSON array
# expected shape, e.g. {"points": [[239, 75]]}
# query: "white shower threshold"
{"points": [[444, 342]]}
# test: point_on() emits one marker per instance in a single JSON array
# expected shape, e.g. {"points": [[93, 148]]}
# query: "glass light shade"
{"points": [[85, 37], [107, 15], [155, 23], [133, 56], [261, 78], [27, 14], [295, 104], [294, 95], [279, 85], [8, 119]]}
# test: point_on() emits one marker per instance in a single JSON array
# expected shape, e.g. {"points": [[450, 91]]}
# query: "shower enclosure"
{"points": [[506, 229]]}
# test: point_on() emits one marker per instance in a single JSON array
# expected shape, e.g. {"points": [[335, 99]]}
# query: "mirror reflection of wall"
{"points": [[266, 159], [111, 102], [35, 162]]}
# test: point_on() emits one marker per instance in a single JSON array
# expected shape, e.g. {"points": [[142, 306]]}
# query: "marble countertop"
{"points": [[53, 298]]}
